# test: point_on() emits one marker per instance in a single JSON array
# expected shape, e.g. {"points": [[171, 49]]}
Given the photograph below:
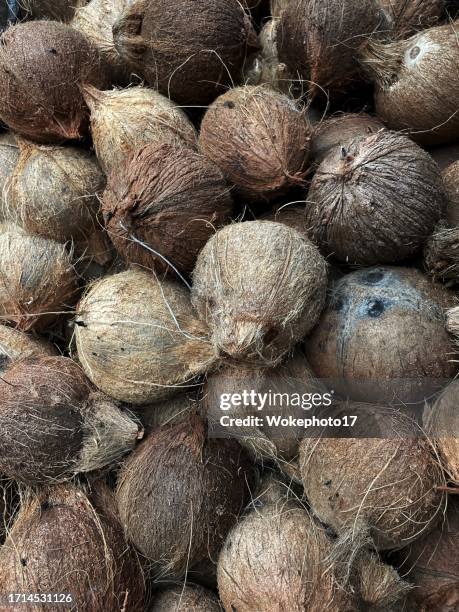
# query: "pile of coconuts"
{"points": [[229, 305]]}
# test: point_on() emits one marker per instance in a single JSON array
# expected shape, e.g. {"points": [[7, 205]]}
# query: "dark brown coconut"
{"points": [[61, 543], [138, 338], [186, 598], [42, 65], [16, 345], [259, 138], [190, 50], [179, 494], [9, 154], [372, 337], [406, 17], [362, 210], [53, 425], [408, 76], [58, 10], [258, 311], [169, 198]]}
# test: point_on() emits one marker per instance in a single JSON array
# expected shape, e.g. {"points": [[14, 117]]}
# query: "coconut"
{"points": [[451, 182], [441, 253], [277, 6], [16, 345], [291, 215], [178, 495], [53, 425], [186, 598], [260, 140], [169, 412], [61, 541], [257, 313], [372, 337], [445, 156], [406, 17], [138, 339], [380, 586], [190, 50], [124, 120], [409, 74], [58, 10], [37, 279], [9, 154], [42, 65], [362, 210]]}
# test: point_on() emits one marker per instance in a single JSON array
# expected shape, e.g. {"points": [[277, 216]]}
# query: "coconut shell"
{"points": [[123, 120], [138, 339], [60, 543], [190, 50], [186, 598], [362, 210], [259, 138], [16, 345], [257, 313], [9, 154], [371, 339], [406, 17], [178, 495], [58, 10], [42, 66], [409, 74]]}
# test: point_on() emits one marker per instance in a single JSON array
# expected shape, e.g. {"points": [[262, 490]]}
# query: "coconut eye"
{"points": [[373, 278], [376, 308]]}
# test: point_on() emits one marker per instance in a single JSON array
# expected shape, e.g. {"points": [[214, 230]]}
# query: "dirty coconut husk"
{"points": [[257, 313], [163, 204], [57, 10], [178, 495], [42, 66], [9, 155], [409, 74], [16, 345], [65, 540], [407, 17], [53, 424], [138, 338], [260, 140], [190, 50], [123, 120], [186, 598], [371, 339]]}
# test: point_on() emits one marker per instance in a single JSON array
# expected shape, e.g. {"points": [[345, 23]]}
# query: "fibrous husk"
{"points": [[257, 313], [62, 541], [42, 66], [406, 17], [16, 345], [53, 425], [277, 6], [169, 412], [138, 338], [441, 253], [37, 279], [53, 192], [451, 181], [163, 204], [362, 210], [372, 337], [178, 495], [123, 120], [186, 598], [259, 138], [9, 155], [58, 10], [190, 50], [380, 586], [408, 76]]}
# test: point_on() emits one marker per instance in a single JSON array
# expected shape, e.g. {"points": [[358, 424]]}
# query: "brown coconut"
{"points": [[406, 17], [123, 120], [42, 66], [58, 10], [441, 253], [178, 495], [293, 216], [409, 74], [16, 345], [371, 339], [138, 338], [362, 210], [257, 313], [190, 50], [9, 154], [169, 412], [451, 181], [260, 140], [53, 425], [186, 598], [62, 543], [37, 279]]}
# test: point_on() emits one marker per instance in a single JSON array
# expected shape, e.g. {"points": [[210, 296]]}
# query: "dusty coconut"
{"points": [[16, 345], [42, 65], [123, 120], [138, 338], [372, 337], [406, 17], [61, 540], [190, 50], [9, 154], [260, 140], [58, 10], [178, 495], [408, 76], [187, 598], [257, 313]]}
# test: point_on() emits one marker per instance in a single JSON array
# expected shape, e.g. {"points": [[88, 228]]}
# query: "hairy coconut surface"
{"points": [[277, 6], [9, 154], [362, 210], [58, 10], [372, 337], [259, 138], [256, 313], [441, 253], [408, 76], [16, 345], [380, 586], [162, 206], [451, 181], [9, 505], [406, 17], [42, 66], [169, 412], [178, 495], [123, 120], [138, 338], [37, 279], [190, 51], [186, 598], [62, 543]]}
